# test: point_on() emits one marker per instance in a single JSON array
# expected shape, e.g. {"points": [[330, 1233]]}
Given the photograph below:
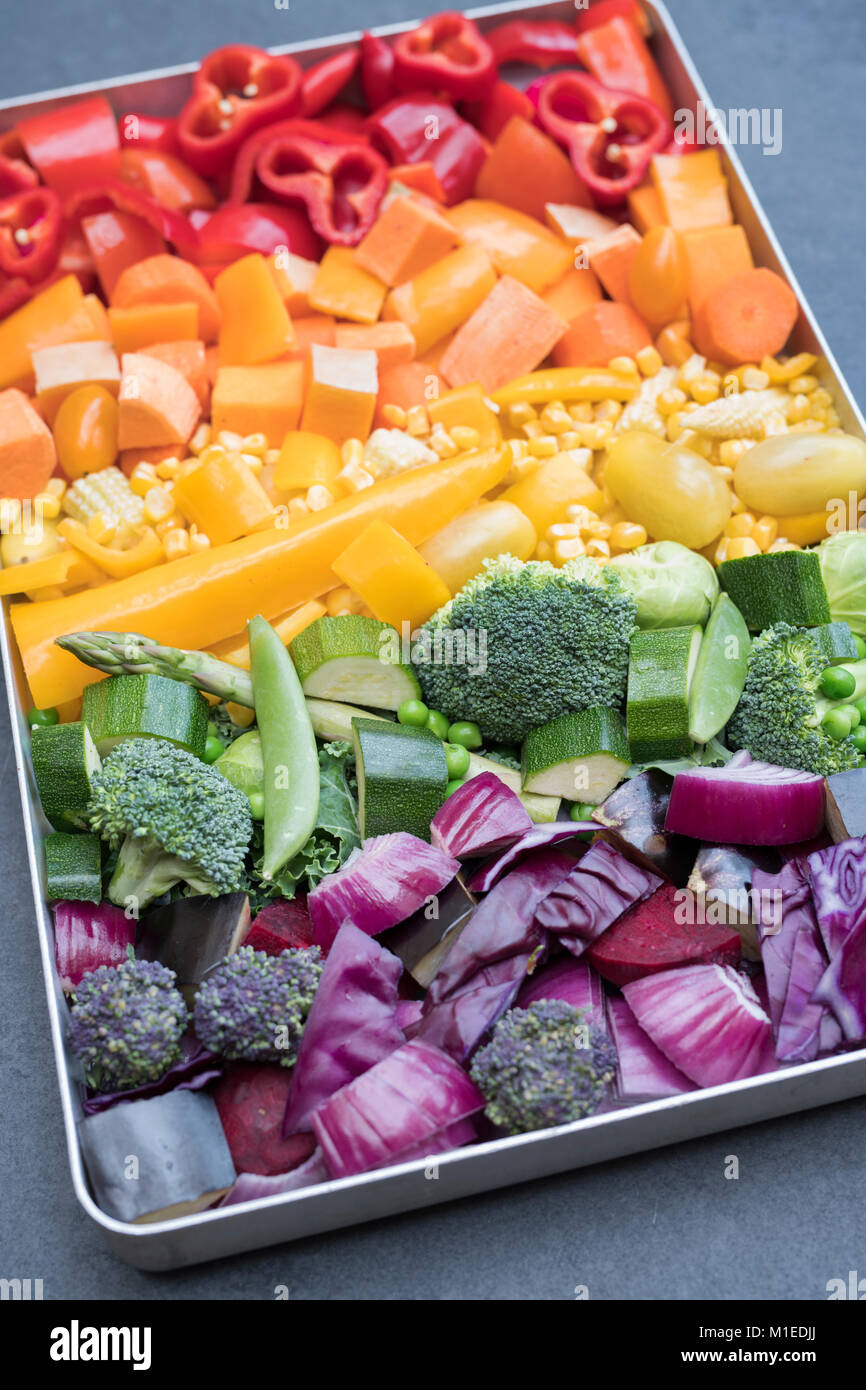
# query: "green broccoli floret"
{"points": [[176, 820], [524, 642], [543, 1066], [778, 718]]}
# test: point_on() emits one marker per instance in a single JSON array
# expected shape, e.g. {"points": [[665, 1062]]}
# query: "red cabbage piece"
{"points": [[572, 980], [249, 1187], [351, 1026], [806, 1028], [408, 1013], [87, 936], [380, 885], [843, 985], [457, 1025], [413, 1103], [539, 837], [481, 816], [599, 889], [642, 1071], [746, 803], [838, 879], [195, 1068], [707, 1020]]}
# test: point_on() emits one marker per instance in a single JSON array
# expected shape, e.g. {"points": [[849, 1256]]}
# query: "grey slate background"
{"points": [[667, 1225]]}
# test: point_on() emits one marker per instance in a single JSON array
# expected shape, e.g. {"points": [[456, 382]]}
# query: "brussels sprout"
{"points": [[672, 585]]}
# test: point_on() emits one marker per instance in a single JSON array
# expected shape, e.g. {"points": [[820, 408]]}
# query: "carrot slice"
{"points": [[167, 279], [157, 405], [746, 318], [606, 330], [507, 336], [526, 169]]}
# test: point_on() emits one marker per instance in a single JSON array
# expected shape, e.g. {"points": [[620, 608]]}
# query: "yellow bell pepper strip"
{"points": [[342, 391], [236, 650], [438, 300], [555, 484], [210, 595], [467, 407], [32, 325], [223, 498], [265, 399], [516, 244], [344, 289], [568, 384], [396, 583], [118, 564], [307, 459], [255, 322], [63, 569]]}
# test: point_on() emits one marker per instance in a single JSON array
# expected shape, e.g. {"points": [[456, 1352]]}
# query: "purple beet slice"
{"points": [[251, 1099], [281, 926], [649, 938]]}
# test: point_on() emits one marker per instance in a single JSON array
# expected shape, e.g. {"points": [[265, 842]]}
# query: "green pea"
{"points": [[858, 738], [837, 683], [213, 749], [257, 805], [457, 759], [860, 645], [438, 723], [42, 718], [853, 714], [414, 713], [453, 786], [860, 706], [581, 810], [836, 723], [465, 733]]}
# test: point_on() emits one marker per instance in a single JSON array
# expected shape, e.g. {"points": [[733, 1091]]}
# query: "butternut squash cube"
{"points": [[256, 326], [259, 400], [343, 288], [341, 395]]}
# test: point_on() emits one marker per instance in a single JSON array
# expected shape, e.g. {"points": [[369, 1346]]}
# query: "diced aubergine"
{"points": [[633, 819], [661, 666], [145, 707], [580, 757], [251, 1099], [353, 658], [402, 777], [721, 881], [423, 941], [782, 587], [653, 936], [153, 1160], [846, 804], [192, 935], [64, 760]]}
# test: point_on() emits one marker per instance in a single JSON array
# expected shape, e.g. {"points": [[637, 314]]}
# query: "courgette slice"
{"points": [[145, 706], [782, 587], [64, 760], [332, 720], [353, 658], [836, 641], [402, 776], [73, 867], [580, 757], [540, 809], [660, 671]]}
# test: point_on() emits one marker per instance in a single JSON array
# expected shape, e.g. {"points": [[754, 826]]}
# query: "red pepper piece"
{"points": [[165, 178], [148, 132], [73, 145], [324, 82], [377, 70], [14, 291], [112, 195], [76, 259], [420, 129], [600, 11], [237, 89], [345, 120], [540, 43], [446, 53], [116, 240], [493, 113], [16, 175], [235, 230], [244, 172], [610, 136], [30, 234], [617, 55], [341, 186]]}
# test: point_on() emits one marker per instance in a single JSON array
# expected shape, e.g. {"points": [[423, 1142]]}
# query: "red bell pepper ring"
{"points": [[237, 89], [446, 53], [377, 70], [341, 186], [113, 195], [493, 113], [610, 136], [166, 178], [116, 240], [539, 43], [148, 132], [244, 176], [324, 82], [420, 129], [16, 175], [73, 145], [235, 230], [31, 226]]}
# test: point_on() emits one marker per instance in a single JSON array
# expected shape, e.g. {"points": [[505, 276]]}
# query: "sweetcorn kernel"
{"points": [[731, 451], [627, 535], [212, 453], [102, 528], [271, 457], [802, 385], [820, 396], [521, 413], [740, 525], [582, 412], [569, 548], [142, 479], [721, 550], [441, 442], [417, 421], [318, 497], [569, 440], [724, 472], [229, 440], [649, 361], [158, 504], [253, 462], [597, 548], [608, 410], [596, 436], [200, 439], [544, 447], [255, 444], [297, 508], [353, 478], [168, 468], [754, 379], [764, 532], [55, 486], [176, 543], [171, 523], [198, 540], [343, 600], [395, 416], [704, 390], [49, 503], [741, 546], [623, 364], [669, 401], [787, 371], [555, 419], [533, 429], [579, 515], [352, 452], [465, 437], [737, 505]]}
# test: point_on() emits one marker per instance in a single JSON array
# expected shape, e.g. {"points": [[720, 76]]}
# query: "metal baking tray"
{"points": [[408, 1186]]}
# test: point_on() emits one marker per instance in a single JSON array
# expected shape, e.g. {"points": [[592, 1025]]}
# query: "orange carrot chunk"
{"points": [[606, 330], [166, 279], [508, 335], [746, 318]]}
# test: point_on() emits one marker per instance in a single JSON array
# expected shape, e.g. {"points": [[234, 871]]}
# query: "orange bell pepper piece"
{"points": [[223, 498], [255, 322], [526, 169], [557, 482]]}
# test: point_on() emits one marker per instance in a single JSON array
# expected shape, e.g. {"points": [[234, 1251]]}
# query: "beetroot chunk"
{"points": [[652, 936], [281, 926], [251, 1100]]}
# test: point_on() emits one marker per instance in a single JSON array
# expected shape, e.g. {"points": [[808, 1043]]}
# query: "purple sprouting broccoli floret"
{"points": [[253, 1006], [545, 1065], [126, 1024]]}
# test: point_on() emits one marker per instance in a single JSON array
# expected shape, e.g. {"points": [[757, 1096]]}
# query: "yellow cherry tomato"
{"points": [[85, 431], [668, 489], [658, 278]]}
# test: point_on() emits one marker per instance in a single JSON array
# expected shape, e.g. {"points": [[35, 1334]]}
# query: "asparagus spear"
{"points": [[128, 653]]}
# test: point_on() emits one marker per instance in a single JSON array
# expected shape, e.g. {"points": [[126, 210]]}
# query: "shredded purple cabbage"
{"points": [[599, 889]]}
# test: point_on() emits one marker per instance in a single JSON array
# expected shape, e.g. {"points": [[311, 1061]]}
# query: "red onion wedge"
{"points": [[480, 817], [572, 980], [746, 803], [642, 1071]]}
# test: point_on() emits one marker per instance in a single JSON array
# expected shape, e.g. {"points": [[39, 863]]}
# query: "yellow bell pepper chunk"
{"points": [[33, 325], [568, 384], [223, 498], [555, 484], [236, 650], [343, 289], [341, 395], [467, 407], [255, 322], [441, 298], [307, 460], [394, 581], [517, 245], [118, 564]]}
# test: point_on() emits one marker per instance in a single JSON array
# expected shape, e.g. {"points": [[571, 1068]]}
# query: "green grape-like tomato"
{"points": [[457, 760], [465, 733], [413, 713]]}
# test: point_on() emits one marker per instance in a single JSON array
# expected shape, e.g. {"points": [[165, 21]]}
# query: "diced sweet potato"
{"points": [[190, 359], [27, 454], [64, 367], [157, 404], [405, 239], [509, 334], [392, 343]]}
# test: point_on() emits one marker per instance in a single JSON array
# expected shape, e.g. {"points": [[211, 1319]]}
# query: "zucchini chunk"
{"points": [[783, 587], [73, 866], [352, 658], [580, 757], [660, 670], [402, 776], [64, 761], [145, 706]]}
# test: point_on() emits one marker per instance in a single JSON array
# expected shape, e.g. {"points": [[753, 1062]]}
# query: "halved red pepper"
{"points": [[446, 53], [16, 175], [237, 89], [610, 136], [113, 195], [244, 176], [149, 132], [600, 11], [166, 178], [340, 184], [377, 70], [540, 43], [73, 145], [322, 83], [118, 239], [31, 227], [235, 230], [345, 120], [616, 54], [421, 128], [493, 113]]}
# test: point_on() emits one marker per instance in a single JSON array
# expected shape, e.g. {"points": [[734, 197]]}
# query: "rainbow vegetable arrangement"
{"points": [[444, 535]]}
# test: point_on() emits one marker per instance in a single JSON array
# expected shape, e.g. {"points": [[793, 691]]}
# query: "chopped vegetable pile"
{"points": [[438, 579]]}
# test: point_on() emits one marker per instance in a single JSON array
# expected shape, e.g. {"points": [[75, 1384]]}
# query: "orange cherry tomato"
{"points": [[166, 178], [658, 280], [85, 431]]}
